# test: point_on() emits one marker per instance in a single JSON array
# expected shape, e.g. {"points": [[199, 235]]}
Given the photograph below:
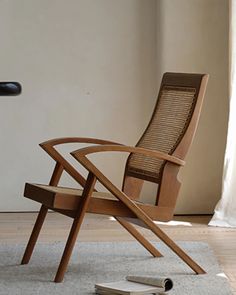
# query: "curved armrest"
{"points": [[121, 148], [62, 140], [48, 147]]}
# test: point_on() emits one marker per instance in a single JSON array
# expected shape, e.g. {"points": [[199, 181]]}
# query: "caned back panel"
{"points": [[170, 120]]}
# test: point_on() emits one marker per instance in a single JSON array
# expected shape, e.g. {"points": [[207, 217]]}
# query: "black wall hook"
{"points": [[10, 88]]}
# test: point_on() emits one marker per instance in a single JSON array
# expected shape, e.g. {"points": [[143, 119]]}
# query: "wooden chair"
{"points": [[157, 158]]}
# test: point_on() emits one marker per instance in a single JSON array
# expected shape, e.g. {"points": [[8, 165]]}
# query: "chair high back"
{"points": [[170, 130]]}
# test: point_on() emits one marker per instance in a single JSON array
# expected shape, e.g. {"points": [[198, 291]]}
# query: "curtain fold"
{"points": [[225, 211]]}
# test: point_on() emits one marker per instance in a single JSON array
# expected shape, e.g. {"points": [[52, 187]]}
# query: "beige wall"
{"points": [[88, 68], [93, 68], [193, 37]]}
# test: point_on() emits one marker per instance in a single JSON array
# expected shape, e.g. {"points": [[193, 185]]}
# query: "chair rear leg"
{"points": [[88, 190], [162, 236], [139, 237], [167, 240], [156, 230], [175, 248], [34, 235], [41, 217], [144, 217]]}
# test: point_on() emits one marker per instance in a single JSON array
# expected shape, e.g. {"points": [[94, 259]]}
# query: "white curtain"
{"points": [[225, 212]]}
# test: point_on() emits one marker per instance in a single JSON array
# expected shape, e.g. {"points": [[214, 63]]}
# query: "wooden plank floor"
{"points": [[16, 227]]}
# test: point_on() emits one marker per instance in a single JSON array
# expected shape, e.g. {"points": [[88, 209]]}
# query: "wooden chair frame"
{"points": [[126, 205]]}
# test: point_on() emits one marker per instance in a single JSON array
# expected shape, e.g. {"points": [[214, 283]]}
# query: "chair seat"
{"points": [[67, 200], [59, 197]]}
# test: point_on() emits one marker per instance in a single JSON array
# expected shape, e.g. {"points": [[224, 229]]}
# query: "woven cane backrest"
{"points": [[169, 122]]}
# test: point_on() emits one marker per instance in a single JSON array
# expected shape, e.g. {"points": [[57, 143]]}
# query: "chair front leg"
{"points": [[87, 192], [34, 235], [41, 217]]}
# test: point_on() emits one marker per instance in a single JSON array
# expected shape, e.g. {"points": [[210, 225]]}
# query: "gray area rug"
{"points": [[106, 262]]}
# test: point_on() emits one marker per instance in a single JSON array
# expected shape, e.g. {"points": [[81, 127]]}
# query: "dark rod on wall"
{"points": [[10, 88]]}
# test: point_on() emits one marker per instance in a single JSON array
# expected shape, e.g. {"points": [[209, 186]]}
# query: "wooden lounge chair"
{"points": [[157, 158]]}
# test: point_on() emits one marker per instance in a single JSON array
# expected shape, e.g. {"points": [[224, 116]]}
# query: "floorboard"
{"points": [[16, 228]]}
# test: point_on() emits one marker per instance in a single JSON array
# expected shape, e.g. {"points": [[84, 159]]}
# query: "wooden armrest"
{"points": [[121, 148], [63, 140], [48, 147]]}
